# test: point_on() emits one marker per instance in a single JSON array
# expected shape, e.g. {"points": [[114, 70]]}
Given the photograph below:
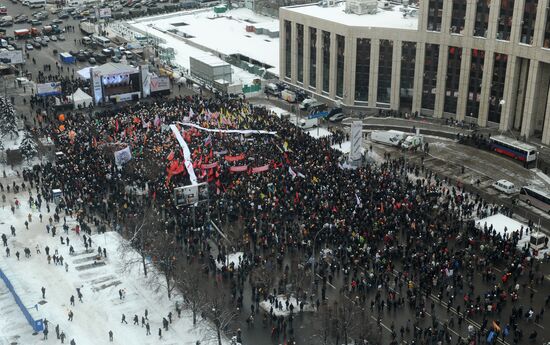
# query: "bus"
{"points": [[101, 41], [513, 148], [536, 197]]}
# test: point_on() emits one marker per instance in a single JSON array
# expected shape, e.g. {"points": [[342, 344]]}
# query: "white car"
{"points": [[505, 186], [38, 39], [46, 39], [53, 38], [61, 37]]}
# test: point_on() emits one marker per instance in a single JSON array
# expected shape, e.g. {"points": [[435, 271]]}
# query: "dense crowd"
{"points": [[399, 237]]}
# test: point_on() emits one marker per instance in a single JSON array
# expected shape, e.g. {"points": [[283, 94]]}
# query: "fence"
{"points": [[37, 325]]}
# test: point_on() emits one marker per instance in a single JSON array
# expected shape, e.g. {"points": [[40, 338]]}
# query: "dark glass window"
{"points": [[313, 57], [300, 41], [288, 47], [341, 47], [384, 71], [474, 84], [453, 79], [528, 23], [458, 16], [431, 60], [435, 13], [505, 19], [546, 43], [408, 60], [362, 69], [497, 87], [482, 18], [326, 60]]}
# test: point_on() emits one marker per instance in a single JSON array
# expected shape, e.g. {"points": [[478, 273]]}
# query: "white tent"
{"points": [[84, 73], [82, 99]]}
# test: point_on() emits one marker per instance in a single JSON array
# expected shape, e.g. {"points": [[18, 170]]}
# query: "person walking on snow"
{"points": [[111, 336], [123, 319], [43, 292]]}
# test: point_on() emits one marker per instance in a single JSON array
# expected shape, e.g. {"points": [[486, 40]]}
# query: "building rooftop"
{"points": [[210, 60], [391, 18]]}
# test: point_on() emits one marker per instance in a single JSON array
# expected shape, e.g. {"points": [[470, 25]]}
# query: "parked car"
{"points": [[36, 22], [29, 46], [44, 43], [63, 15], [37, 45], [81, 57], [61, 37], [46, 39], [57, 21], [115, 59], [92, 61], [53, 38]]}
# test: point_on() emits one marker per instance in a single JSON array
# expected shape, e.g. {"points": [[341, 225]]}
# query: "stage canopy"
{"points": [[110, 68], [82, 99]]}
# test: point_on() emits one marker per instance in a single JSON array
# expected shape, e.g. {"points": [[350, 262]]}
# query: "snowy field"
{"points": [[101, 309], [234, 258]]}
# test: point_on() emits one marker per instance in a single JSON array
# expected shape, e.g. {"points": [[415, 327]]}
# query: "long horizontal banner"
{"points": [[238, 168], [260, 168], [209, 166], [229, 131], [235, 158]]}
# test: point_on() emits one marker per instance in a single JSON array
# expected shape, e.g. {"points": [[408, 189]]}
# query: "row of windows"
{"points": [[384, 71], [481, 20]]}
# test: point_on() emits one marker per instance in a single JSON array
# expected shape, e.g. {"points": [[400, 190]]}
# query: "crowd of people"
{"points": [[400, 238]]}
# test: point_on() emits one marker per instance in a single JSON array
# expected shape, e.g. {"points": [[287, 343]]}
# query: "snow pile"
{"points": [[319, 132], [234, 258], [99, 280], [280, 308]]}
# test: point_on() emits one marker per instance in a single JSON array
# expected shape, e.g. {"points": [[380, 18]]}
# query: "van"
{"points": [[307, 102], [86, 40], [288, 96], [308, 123], [272, 89], [316, 107], [504, 186]]}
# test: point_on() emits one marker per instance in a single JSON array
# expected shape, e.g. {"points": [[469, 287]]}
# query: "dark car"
{"points": [[37, 45], [92, 61], [63, 15], [36, 22], [81, 57], [115, 59], [44, 43], [100, 58]]}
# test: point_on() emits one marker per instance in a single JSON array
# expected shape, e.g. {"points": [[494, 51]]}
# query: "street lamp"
{"points": [[313, 258]]}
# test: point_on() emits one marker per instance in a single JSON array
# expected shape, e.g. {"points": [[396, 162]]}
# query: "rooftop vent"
{"points": [[362, 6]]}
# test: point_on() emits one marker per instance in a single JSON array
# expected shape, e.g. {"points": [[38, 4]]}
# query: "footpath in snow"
{"points": [[98, 278]]}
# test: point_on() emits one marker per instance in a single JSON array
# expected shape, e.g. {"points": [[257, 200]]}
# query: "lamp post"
{"points": [[313, 258]]}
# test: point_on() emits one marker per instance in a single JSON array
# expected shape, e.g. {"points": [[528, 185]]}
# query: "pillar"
{"points": [[282, 50], [521, 93], [418, 76], [332, 67], [469, 21], [294, 53], [527, 127], [515, 33], [319, 72], [546, 126], [396, 75], [464, 80], [486, 81], [492, 25], [441, 79], [510, 90], [350, 53], [373, 74], [446, 16], [307, 55], [540, 21]]}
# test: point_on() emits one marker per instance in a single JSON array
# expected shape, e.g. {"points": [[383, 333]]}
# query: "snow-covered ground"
{"points": [[233, 258], [266, 306], [101, 309], [319, 132]]}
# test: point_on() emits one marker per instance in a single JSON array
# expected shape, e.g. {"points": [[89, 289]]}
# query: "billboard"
{"points": [[160, 84], [104, 12], [96, 84], [356, 140], [48, 89], [13, 57], [191, 194]]}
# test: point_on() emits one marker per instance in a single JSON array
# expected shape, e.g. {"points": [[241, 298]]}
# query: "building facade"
{"points": [[484, 61]]}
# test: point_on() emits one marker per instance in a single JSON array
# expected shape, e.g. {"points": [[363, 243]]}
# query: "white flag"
{"points": [[123, 156]]}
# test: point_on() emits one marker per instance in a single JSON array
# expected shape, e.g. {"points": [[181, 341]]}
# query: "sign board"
{"points": [[12, 57], [189, 195], [318, 115], [57, 194], [48, 89], [123, 156], [160, 84], [104, 12], [356, 140], [96, 84]]}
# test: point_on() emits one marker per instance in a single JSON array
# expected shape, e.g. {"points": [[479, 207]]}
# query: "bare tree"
{"points": [[220, 312], [165, 253], [190, 282]]}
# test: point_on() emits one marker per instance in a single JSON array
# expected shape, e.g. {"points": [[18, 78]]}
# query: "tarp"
{"points": [[84, 73], [81, 98]]}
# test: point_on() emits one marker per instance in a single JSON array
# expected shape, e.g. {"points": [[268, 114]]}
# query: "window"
{"points": [[505, 19], [313, 57], [482, 18], [546, 43], [435, 13], [453, 79], [340, 59], [362, 69], [474, 84], [431, 62], [288, 47], [497, 87], [528, 23], [300, 41], [384, 71], [326, 60], [458, 16], [408, 61]]}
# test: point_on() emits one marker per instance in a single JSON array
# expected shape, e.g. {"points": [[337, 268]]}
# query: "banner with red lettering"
{"points": [[260, 168], [239, 168], [235, 158], [209, 166]]}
